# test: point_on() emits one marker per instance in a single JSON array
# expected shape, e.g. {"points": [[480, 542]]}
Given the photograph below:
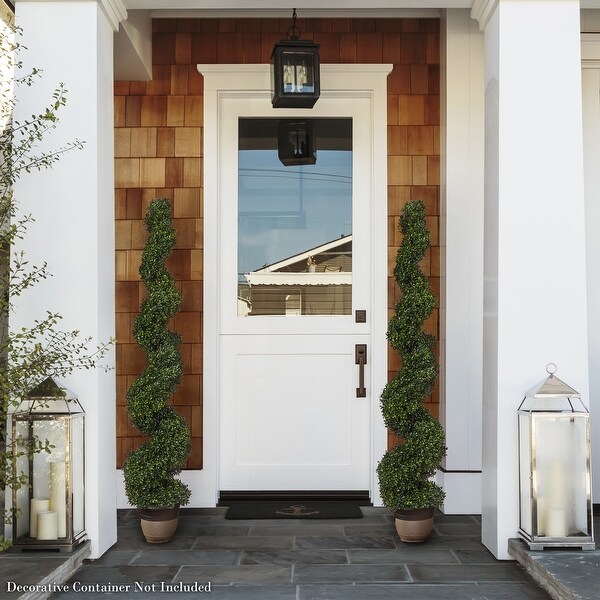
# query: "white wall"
{"points": [[73, 205], [461, 231], [591, 141], [462, 248], [535, 307]]}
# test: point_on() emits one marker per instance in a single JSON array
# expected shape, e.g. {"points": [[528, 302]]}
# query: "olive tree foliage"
{"points": [[28, 354]]}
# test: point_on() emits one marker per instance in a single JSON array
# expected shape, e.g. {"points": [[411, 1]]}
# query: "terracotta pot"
{"points": [[159, 524], [414, 526]]}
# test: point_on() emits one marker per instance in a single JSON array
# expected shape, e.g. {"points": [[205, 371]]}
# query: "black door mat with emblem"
{"points": [[294, 510]]}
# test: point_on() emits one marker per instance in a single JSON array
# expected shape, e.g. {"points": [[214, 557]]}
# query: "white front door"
{"points": [[295, 407], [281, 410]]}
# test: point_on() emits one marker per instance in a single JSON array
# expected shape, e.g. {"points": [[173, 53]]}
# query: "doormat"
{"points": [[294, 510]]}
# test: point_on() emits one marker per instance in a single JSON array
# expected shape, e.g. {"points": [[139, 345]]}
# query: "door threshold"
{"points": [[360, 497]]}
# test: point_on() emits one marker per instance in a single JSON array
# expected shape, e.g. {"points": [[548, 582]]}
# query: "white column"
{"points": [[73, 206], [591, 139], [535, 308], [461, 314]]}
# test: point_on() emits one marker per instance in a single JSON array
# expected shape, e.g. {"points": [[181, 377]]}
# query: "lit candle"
{"points": [[47, 525], [58, 498], [37, 505]]}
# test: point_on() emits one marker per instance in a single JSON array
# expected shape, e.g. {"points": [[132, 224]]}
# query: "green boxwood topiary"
{"points": [[150, 470], [405, 471]]}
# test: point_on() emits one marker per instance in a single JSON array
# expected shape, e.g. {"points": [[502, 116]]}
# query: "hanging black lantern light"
{"points": [[295, 78]]}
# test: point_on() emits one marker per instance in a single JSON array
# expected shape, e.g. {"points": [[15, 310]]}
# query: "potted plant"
{"points": [[150, 471], [405, 471]]}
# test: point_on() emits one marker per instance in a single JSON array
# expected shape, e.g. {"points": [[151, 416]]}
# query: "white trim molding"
{"points": [[253, 82], [482, 11], [463, 492], [461, 245], [262, 69], [285, 7], [590, 50], [115, 12], [314, 13]]}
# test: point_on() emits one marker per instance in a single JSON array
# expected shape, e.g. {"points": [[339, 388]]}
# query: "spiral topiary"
{"points": [[150, 470], [405, 471]]}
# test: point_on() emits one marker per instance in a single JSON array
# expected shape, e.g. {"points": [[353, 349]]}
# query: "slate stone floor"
{"points": [[348, 559], [568, 573]]}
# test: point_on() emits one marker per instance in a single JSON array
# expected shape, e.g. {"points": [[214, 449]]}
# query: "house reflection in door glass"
{"points": [[294, 223]]}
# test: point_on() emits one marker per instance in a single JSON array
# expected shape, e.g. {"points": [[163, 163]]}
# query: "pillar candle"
{"points": [[556, 522], [58, 498], [558, 485], [542, 514], [47, 525], [37, 505]]}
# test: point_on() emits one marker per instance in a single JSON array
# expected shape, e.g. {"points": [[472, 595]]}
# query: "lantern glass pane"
{"points": [[524, 474], [77, 475], [581, 476], [21, 497], [298, 74], [560, 475], [55, 433], [50, 470]]}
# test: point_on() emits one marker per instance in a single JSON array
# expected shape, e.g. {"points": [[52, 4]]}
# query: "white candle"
{"points": [[47, 525], [558, 488], [542, 513], [36, 505], [556, 522], [58, 498]]}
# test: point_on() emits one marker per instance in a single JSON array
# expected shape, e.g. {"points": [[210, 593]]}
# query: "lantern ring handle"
{"points": [[294, 32], [551, 368]]}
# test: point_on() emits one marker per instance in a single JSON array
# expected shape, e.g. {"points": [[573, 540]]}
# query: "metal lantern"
{"points": [[554, 467], [50, 509], [295, 71]]}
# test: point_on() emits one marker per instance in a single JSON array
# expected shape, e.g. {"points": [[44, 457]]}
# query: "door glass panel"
{"points": [[295, 217]]}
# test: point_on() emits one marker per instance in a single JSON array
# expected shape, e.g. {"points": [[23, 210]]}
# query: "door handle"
{"points": [[360, 358]]}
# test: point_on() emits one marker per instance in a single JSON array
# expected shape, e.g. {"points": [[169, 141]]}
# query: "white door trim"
{"points": [[347, 80]]}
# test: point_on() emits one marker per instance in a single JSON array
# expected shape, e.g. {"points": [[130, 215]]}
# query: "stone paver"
{"points": [[566, 573], [300, 560], [414, 591]]}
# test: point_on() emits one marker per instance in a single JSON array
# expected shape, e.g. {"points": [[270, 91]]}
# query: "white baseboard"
{"points": [[203, 495], [463, 492]]}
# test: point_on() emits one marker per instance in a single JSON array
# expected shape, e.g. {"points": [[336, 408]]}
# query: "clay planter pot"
{"points": [[414, 526], [159, 524]]}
